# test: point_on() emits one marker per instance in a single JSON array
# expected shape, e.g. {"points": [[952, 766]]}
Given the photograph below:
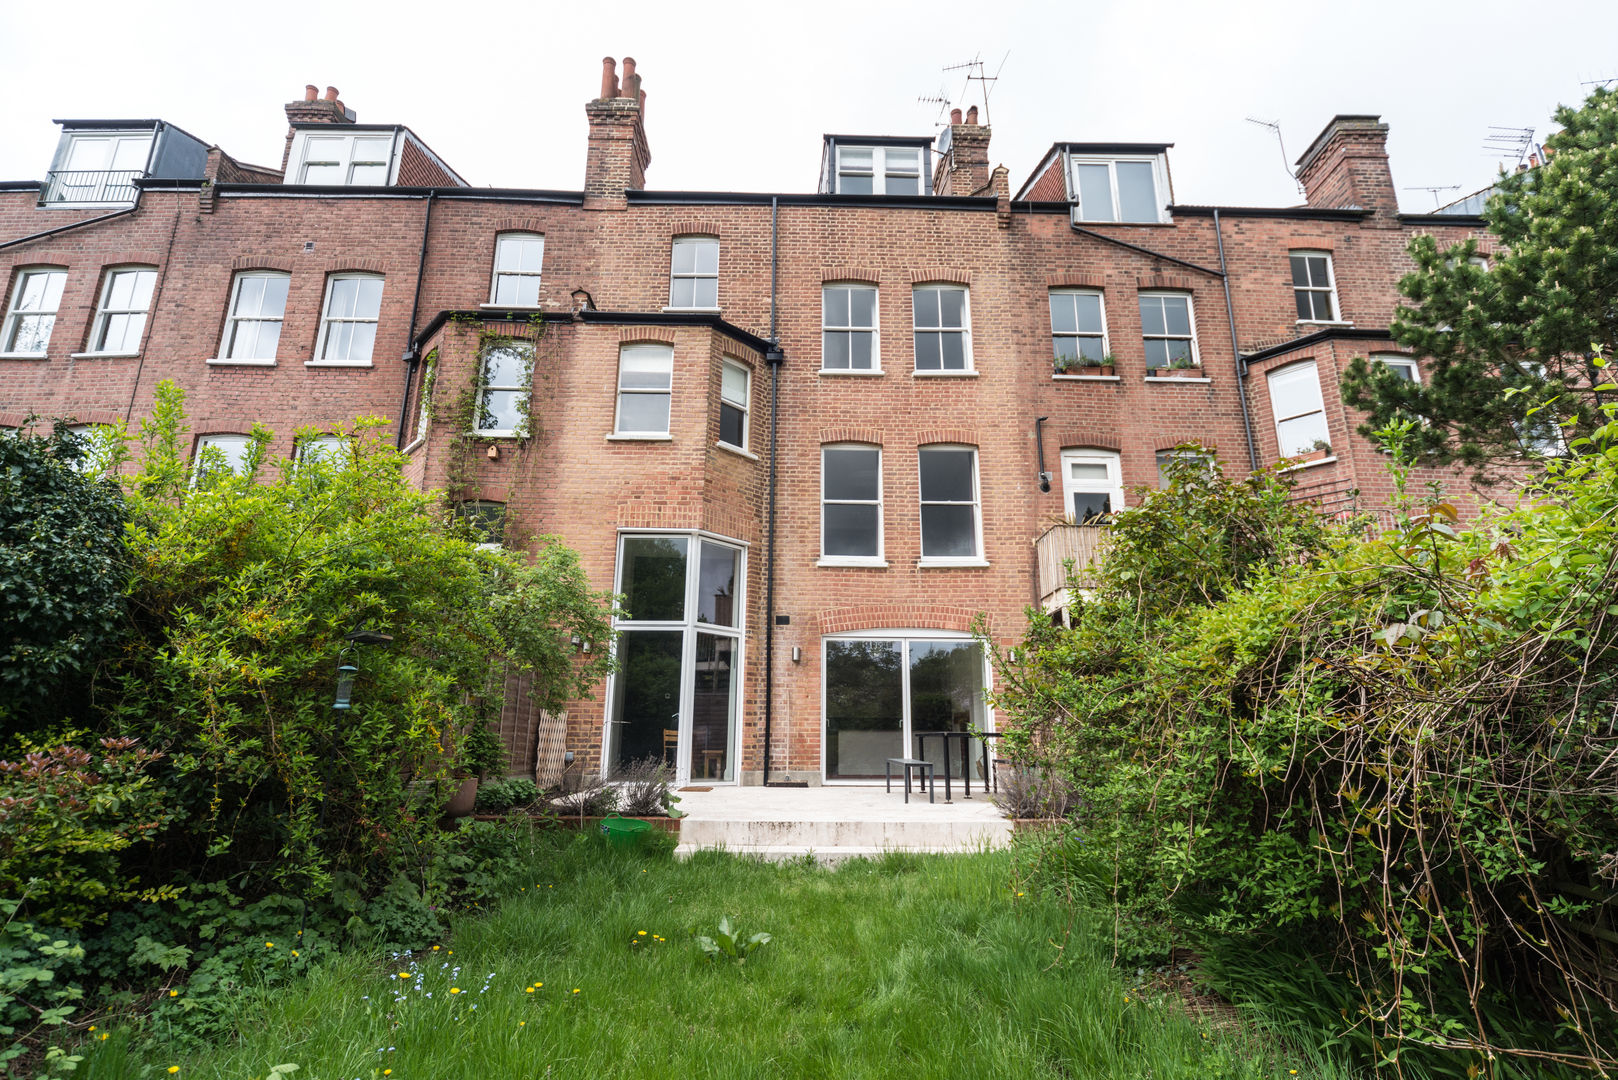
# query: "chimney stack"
{"points": [[618, 152], [963, 164], [314, 110], [1347, 165]]}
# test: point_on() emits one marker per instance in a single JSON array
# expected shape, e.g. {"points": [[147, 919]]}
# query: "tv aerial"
{"points": [[1286, 162]]}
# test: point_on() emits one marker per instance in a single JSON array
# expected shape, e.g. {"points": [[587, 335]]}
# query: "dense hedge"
{"points": [[1399, 750]]}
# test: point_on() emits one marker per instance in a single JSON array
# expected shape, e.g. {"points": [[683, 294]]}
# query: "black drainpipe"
{"points": [[412, 353], [1235, 349], [775, 357]]}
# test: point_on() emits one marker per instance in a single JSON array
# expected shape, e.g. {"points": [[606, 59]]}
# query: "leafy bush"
{"points": [[498, 796], [67, 817], [63, 569], [643, 788], [34, 995], [1392, 746]]}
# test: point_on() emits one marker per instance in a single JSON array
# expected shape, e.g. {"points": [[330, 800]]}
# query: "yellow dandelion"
{"points": [[522, 1023], [92, 1027], [538, 985], [455, 989], [267, 945], [174, 1068], [387, 1072], [436, 948], [451, 952], [530, 990], [104, 1035], [172, 993], [642, 933], [294, 952], [575, 989], [404, 974]]}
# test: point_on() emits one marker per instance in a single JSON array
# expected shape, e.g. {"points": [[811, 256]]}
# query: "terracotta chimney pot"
{"points": [[972, 115], [311, 92], [609, 77], [331, 93], [955, 116]]}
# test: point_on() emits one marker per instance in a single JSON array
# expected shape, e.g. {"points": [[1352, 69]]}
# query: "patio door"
{"points": [[881, 690], [675, 696]]}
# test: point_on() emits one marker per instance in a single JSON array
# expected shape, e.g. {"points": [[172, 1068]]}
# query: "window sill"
{"points": [[102, 355], [927, 564], [709, 310], [1157, 224], [852, 560], [646, 436], [945, 374], [1309, 464], [737, 450], [336, 364], [478, 433], [858, 373], [1324, 322], [511, 307], [1157, 379], [217, 362], [24, 356], [1088, 378]]}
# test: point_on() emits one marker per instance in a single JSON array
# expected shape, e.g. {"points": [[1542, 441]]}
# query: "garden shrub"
{"points": [[643, 788], [1392, 747], [498, 796]]}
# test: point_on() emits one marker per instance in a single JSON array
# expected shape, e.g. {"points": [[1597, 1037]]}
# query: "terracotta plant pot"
{"points": [[464, 800]]}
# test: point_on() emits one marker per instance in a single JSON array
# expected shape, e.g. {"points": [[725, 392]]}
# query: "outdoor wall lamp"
{"points": [[347, 670]]}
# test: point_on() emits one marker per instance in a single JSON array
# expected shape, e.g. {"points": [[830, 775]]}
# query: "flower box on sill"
{"points": [[1176, 373]]}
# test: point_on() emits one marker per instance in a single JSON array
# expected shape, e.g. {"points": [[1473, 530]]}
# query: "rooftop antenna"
{"points": [[1435, 189], [987, 81], [1509, 142], [1275, 126], [941, 100], [1600, 82]]}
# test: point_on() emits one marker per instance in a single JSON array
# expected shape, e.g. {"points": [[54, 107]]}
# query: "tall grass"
{"points": [[906, 966]]}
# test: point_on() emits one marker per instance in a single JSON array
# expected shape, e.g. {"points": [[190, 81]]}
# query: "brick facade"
{"points": [[606, 283]]}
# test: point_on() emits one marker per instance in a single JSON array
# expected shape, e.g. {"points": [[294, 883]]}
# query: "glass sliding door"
{"points": [[675, 697], [880, 691], [864, 708]]}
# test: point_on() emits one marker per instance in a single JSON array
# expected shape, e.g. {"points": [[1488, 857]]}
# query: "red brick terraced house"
{"points": [[809, 436]]}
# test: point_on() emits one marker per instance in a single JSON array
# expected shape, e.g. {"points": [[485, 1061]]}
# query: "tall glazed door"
{"points": [[675, 697]]}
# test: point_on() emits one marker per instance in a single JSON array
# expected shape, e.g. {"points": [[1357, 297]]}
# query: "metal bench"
{"points": [[922, 767]]}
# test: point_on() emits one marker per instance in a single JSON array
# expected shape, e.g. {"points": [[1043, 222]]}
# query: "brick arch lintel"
{"points": [[941, 276], [895, 616], [519, 224], [261, 262], [873, 436], [1069, 279], [1158, 280], [963, 436], [694, 227], [347, 265], [854, 275], [651, 335]]}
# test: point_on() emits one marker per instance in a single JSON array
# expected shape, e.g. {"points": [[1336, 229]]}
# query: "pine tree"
{"points": [[1511, 349]]}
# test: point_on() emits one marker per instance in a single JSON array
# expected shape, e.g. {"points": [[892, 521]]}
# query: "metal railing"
{"points": [[90, 186], [1058, 546]]}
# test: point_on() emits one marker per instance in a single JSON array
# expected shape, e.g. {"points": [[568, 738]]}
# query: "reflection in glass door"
{"points": [[675, 696], [880, 692]]}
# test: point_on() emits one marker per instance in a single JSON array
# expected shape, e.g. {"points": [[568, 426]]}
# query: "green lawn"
{"points": [[909, 966]]}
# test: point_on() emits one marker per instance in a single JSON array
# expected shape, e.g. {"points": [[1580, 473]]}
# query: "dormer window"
{"points": [[879, 170], [98, 169], [1122, 189], [345, 160]]}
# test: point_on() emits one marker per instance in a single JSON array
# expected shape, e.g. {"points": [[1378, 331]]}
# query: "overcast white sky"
{"points": [[740, 93]]}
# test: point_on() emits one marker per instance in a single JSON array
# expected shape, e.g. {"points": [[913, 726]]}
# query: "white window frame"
{"points": [[964, 330], [666, 391], [976, 503], [524, 351], [729, 366], [1313, 289], [459, 510], [1057, 335], [875, 329], [322, 447], [537, 275], [1399, 360], [328, 320], [1165, 456], [117, 140], [1160, 187], [348, 162], [235, 319], [1190, 318], [105, 314], [15, 314], [880, 170], [234, 448], [1283, 376], [693, 275], [879, 558], [1113, 487]]}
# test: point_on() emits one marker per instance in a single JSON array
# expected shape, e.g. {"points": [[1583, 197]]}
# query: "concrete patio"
{"points": [[835, 823]]}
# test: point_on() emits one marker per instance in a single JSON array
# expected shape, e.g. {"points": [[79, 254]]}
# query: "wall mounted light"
{"points": [[797, 654]]}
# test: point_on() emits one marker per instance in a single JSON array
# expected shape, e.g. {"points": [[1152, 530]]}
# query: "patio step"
{"points": [[833, 824]]}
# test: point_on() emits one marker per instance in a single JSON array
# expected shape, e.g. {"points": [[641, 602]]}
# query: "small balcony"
{"points": [[1060, 546], [90, 187]]}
